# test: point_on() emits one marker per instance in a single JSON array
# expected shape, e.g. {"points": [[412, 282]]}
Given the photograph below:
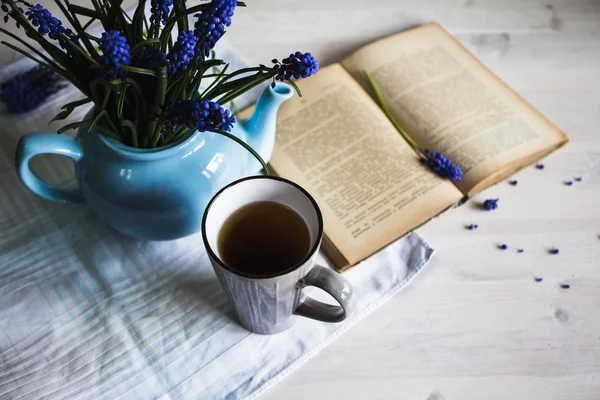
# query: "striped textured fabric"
{"points": [[87, 313]]}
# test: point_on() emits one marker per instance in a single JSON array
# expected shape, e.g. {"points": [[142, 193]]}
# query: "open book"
{"points": [[337, 143]]}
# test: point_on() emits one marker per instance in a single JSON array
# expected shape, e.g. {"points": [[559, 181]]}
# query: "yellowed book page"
{"points": [[370, 185], [449, 102]]}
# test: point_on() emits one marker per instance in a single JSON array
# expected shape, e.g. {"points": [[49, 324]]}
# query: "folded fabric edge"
{"points": [[334, 335]]}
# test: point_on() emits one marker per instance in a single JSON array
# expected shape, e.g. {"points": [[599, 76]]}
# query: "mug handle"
{"points": [[334, 284], [47, 143]]}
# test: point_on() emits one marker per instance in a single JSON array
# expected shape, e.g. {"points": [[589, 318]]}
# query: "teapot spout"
{"points": [[260, 128]]}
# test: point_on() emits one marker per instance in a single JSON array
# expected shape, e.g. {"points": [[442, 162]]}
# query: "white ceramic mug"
{"points": [[266, 304]]}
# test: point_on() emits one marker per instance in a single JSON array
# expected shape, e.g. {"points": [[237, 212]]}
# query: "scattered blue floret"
{"points": [[554, 251], [565, 286], [490, 204], [503, 246]]}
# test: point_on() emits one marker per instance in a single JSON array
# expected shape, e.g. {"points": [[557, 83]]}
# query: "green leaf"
{"points": [[224, 87], [33, 49], [31, 32], [49, 66], [241, 90], [82, 53], [128, 124], [215, 82], [87, 12], [207, 64], [75, 125], [175, 81], [92, 37], [100, 115], [179, 8], [127, 17], [121, 101], [72, 19], [141, 45], [291, 82], [68, 109], [103, 17], [97, 82], [87, 24], [88, 123], [137, 70], [118, 19], [138, 19]]}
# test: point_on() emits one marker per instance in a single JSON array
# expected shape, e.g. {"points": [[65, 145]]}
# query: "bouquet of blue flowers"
{"points": [[144, 85]]}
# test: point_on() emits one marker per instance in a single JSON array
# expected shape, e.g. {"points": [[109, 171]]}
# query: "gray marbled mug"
{"points": [[266, 304]]}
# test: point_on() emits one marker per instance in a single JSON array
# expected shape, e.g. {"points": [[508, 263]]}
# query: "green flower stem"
{"points": [[240, 91], [248, 148], [388, 113], [130, 125], [152, 131]]}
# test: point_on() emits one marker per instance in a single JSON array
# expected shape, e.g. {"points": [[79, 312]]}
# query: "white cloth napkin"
{"points": [[87, 313]]}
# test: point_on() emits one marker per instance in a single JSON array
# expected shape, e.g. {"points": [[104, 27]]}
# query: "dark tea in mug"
{"points": [[263, 238]]}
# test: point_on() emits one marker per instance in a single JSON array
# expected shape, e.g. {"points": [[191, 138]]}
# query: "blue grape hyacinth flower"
{"points": [[442, 166], [200, 115], [183, 52], [30, 89], [297, 65], [115, 52], [160, 11], [47, 24], [211, 23], [5, 6]]}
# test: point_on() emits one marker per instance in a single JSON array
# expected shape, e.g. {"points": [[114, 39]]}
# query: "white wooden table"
{"points": [[474, 325]]}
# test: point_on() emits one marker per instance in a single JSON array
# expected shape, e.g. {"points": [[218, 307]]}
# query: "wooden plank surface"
{"points": [[474, 325]]}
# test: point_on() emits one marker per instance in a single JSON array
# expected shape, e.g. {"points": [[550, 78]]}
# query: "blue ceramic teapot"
{"points": [[154, 194]]}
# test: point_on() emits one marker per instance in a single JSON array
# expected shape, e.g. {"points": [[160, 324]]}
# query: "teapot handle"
{"points": [[47, 143]]}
